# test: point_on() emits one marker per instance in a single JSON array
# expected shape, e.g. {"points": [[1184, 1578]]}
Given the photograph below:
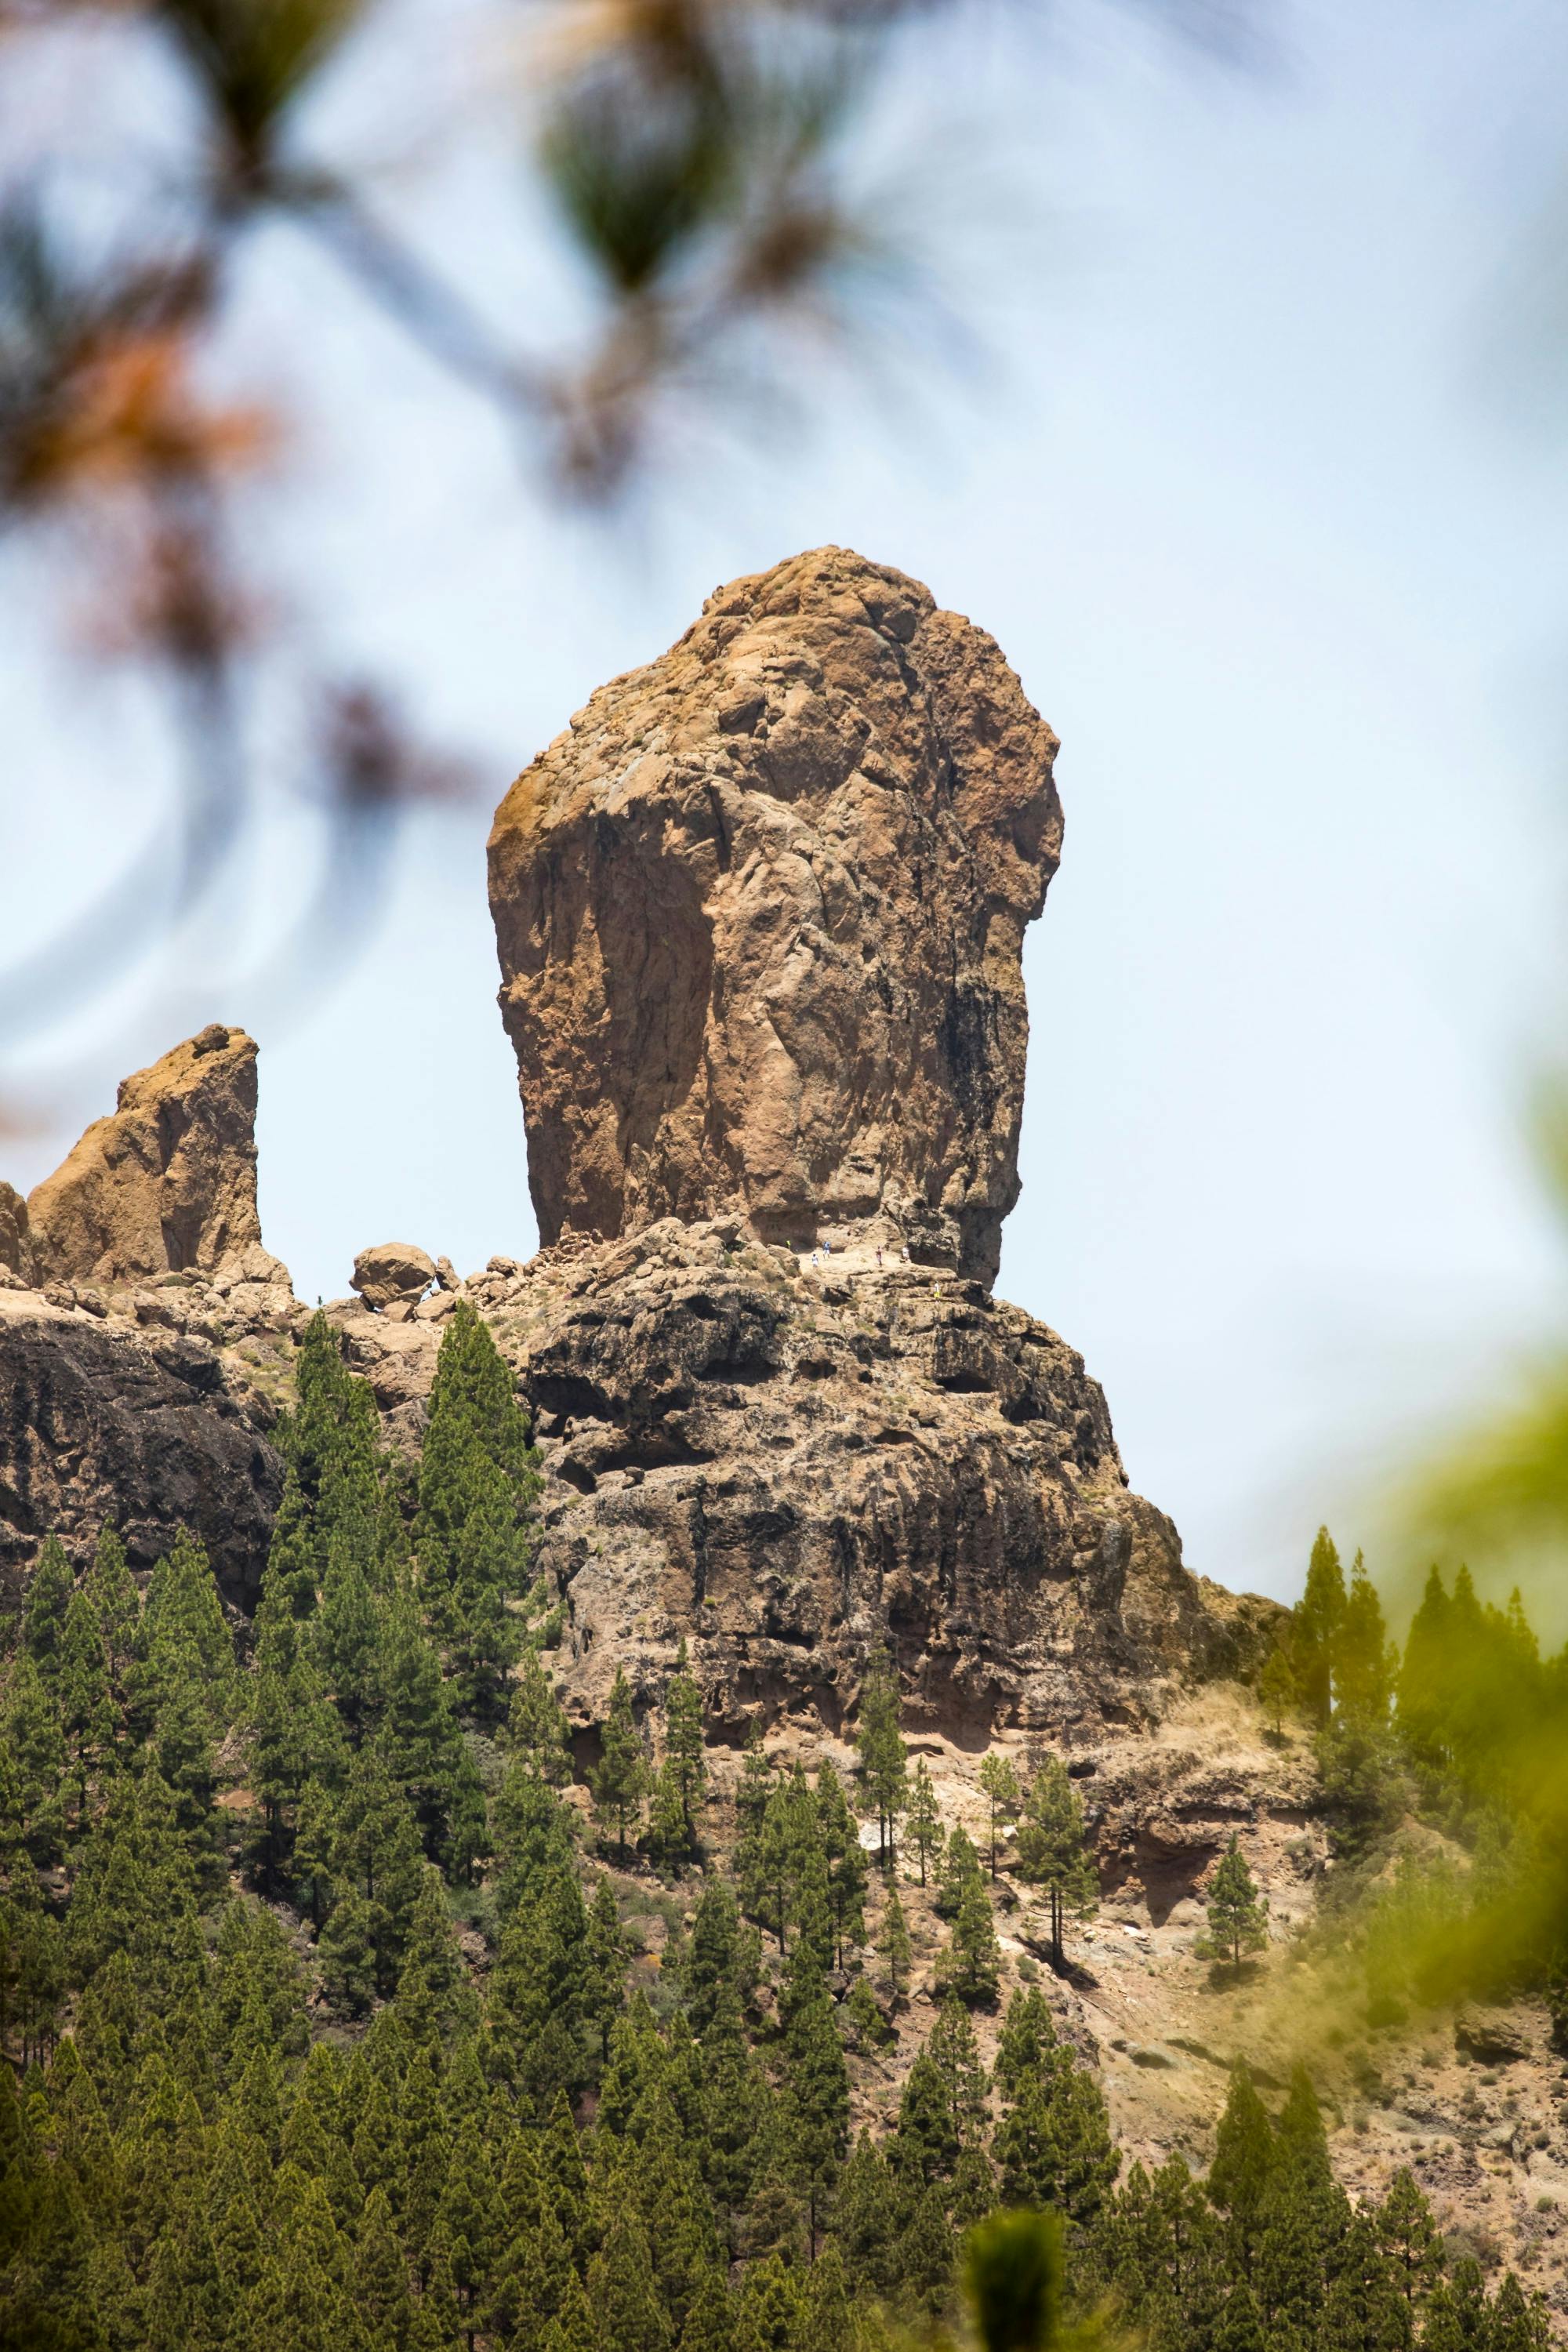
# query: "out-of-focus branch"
{"points": [[424, 303], [700, 156], [368, 773]]}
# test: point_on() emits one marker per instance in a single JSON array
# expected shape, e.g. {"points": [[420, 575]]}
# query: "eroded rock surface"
{"points": [[760, 914], [146, 1337], [101, 1419], [166, 1183], [16, 1246], [792, 1467]]}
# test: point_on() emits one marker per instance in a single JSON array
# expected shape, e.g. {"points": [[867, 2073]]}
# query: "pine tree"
{"points": [[866, 2217], [1360, 1657], [621, 2293], [1316, 1627], [1278, 1689], [1238, 1914], [974, 1958], [815, 2103], [1050, 1850], [1303, 2143], [380, 2277], [839, 1837], [722, 1955], [863, 2019], [999, 1778], [84, 1694], [1516, 2326], [348, 1957], [1053, 2145], [1365, 2306], [893, 1943], [535, 2004], [376, 1853], [112, 1589], [421, 1746], [1244, 2156], [48, 1597], [1240, 2327], [789, 1883], [751, 1794], [961, 1873], [924, 2256], [620, 1781], [478, 1482], [35, 1749], [537, 1729], [1409, 2237], [1424, 1690], [669, 1829], [1458, 2319], [435, 1999], [884, 1762], [710, 2325], [684, 1741], [605, 1956], [345, 1640], [926, 1832]]}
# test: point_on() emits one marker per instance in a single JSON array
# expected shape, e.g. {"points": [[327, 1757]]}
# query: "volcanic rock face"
{"points": [[15, 1248], [119, 1396], [760, 915], [100, 1421], [167, 1183], [795, 1468]]}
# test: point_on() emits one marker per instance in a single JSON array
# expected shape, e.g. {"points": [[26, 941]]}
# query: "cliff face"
{"points": [[760, 914], [793, 1468], [122, 1278], [103, 1419]]}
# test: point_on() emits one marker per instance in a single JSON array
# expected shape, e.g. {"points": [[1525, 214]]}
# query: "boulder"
{"points": [[167, 1182], [1491, 2037], [760, 914], [392, 1274]]}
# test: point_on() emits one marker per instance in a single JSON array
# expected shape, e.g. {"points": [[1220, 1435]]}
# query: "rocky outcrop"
{"points": [[100, 1420], [167, 1182], [145, 1335], [760, 914], [794, 1467]]}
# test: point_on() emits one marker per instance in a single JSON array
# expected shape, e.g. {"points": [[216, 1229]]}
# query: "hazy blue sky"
{"points": [[1244, 488]]}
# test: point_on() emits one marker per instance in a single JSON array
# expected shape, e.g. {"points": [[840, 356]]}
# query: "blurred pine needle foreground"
{"points": [[702, 169]]}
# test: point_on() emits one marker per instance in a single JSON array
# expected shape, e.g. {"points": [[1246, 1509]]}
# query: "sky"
{"points": [[1238, 461]]}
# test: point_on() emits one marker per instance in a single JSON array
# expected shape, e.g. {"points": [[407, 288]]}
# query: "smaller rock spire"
{"points": [[167, 1182]]}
